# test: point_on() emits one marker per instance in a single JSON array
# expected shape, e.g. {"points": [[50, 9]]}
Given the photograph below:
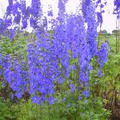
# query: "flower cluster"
{"points": [[16, 13], [41, 71], [0, 62], [88, 45], [4, 24], [15, 75], [36, 13], [117, 7], [102, 54], [100, 4], [85, 4]]}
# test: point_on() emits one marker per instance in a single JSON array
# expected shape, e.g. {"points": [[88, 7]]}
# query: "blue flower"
{"points": [[51, 100], [35, 99], [72, 87], [19, 94], [86, 93], [60, 80], [102, 54], [117, 8]]}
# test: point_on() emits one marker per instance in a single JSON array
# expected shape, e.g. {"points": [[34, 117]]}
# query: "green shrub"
{"points": [[6, 113]]}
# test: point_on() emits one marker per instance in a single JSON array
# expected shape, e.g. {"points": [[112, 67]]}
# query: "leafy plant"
{"points": [[6, 113]]}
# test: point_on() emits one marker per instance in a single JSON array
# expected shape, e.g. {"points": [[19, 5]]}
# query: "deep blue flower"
{"points": [[51, 100], [19, 94], [35, 99], [117, 7], [86, 93], [102, 54], [60, 80], [72, 87]]}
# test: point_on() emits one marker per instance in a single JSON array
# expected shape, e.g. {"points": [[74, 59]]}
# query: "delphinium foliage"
{"points": [[58, 64]]}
